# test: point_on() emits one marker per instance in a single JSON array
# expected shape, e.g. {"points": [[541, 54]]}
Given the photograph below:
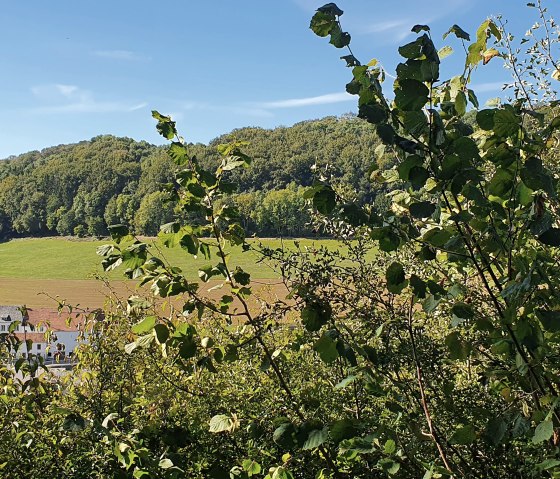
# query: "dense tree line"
{"points": [[82, 188]]}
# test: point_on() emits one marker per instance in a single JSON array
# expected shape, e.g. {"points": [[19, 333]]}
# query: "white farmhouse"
{"points": [[44, 332]]}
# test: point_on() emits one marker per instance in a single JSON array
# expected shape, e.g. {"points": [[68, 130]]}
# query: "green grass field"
{"points": [[73, 259], [35, 270]]}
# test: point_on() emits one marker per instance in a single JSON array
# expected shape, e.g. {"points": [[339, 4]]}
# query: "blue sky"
{"points": [[73, 70]]}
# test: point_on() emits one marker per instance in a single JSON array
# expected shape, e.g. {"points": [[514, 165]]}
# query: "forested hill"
{"points": [[79, 189]]}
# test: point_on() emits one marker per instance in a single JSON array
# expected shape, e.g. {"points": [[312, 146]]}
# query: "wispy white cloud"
{"points": [[309, 101], [61, 98], [242, 110], [263, 109], [125, 55], [394, 29], [139, 106], [391, 28], [488, 87]]}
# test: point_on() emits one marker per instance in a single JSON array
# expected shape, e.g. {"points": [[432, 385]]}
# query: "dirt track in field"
{"points": [[43, 293]]}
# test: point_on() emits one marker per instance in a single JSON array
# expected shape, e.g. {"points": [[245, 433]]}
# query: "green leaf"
{"points": [[372, 113], [251, 467], [461, 103], [409, 163], [141, 342], [418, 176], [280, 473], [505, 123], [458, 348], [390, 466], [322, 23], [221, 423], [437, 237], [316, 438], [343, 429], [74, 423], [444, 52], [415, 122], [388, 239], [339, 38], [105, 250], [134, 256], [346, 381], [472, 98], [178, 152], [386, 133], [550, 320], [548, 464], [421, 70], [485, 119], [162, 333], [190, 243], [351, 60], [462, 310], [422, 209], [144, 326], [324, 200], [118, 232], [390, 447], [543, 432], [166, 463], [187, 348], [466, 149], [411, 94], [501, 183], [331, 9], [551, 237], [326, 347], [314, 315], [420, 28], [359, 445], [422, 48], [418, 286], [165, 126], [395, 277], [464, 435], [206, 272], [139, 474], [536, 177], [284, 435], [458, 32], [412, 50], [495, 430], [541, 224]]}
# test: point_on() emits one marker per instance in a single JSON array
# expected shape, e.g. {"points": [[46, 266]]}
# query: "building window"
{"points": [[38, 347], [3, 328]]}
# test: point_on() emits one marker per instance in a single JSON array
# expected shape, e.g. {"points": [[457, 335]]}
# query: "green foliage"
{"points": [[58, 191], [434, 357]]}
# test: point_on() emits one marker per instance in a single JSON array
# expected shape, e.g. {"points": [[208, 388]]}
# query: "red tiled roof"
{"points": [[35, 337], [56, 321]]}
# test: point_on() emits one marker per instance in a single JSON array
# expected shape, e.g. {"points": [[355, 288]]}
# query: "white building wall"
{"points": [[68, 338]]}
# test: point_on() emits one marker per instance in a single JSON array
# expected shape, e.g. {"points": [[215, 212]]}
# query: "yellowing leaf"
{"points": [[489, 54]]}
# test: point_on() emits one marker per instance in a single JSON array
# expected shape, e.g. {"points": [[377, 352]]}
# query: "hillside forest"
{"points": [[82, 188]]}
